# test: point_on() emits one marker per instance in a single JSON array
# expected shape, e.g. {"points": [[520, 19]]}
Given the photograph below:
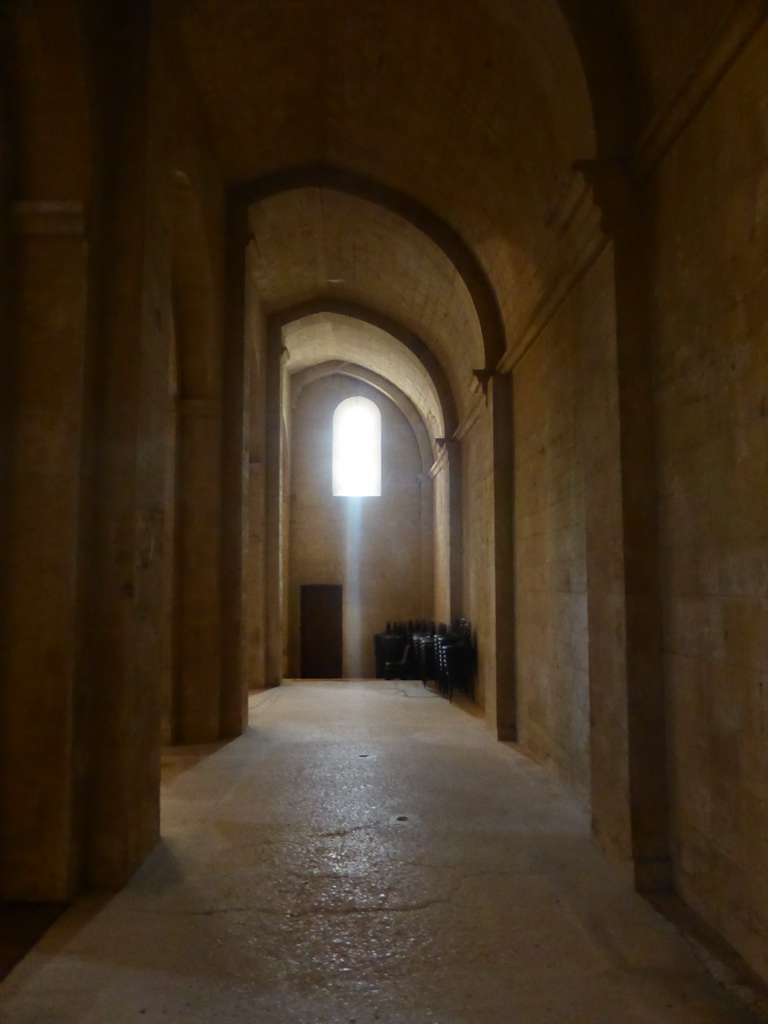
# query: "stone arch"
{"points": [[443, 477], [432, 367], [348, 534], [319, 175], [415, 418], [386, 387]]}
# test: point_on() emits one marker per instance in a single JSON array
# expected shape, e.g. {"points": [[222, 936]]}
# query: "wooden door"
{"points": [[321, 631]]}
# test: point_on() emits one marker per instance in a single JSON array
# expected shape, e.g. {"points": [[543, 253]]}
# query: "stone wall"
{"points": [[371, 546], [478, 552], [94, 383], [442, 544], [593, 308], [711, 337], [137, 423], [254, 558], [550, 556]]}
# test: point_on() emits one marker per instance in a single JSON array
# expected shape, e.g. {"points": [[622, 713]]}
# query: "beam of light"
{"points": [[357, 449], [352, 590]]}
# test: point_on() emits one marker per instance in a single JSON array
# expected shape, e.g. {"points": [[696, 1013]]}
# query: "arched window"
{"points": [[356, 448]]}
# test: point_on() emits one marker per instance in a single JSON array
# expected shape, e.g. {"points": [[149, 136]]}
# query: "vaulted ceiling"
{"points": [[474, 110], [319, 242], [332, 338]]}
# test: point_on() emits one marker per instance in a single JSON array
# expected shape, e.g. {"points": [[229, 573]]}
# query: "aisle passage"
{"points": [[365, 853]]}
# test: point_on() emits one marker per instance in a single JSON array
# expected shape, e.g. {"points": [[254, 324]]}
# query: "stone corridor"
{"points": [[365, 852]]}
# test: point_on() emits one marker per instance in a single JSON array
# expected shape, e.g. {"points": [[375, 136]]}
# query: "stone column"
{"points": [[198, 583], [442, 553], [502, 711], [426, 489], [257, 606], [235, 484], [629, 769], [123, 654], [456, 531], [168, 714], [39, 720], [273, 498], [255, 332], [447, 526]]}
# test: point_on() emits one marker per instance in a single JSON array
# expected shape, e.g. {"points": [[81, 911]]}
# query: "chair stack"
{"points": [[416, 650]]}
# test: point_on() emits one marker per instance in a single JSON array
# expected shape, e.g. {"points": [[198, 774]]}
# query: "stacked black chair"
{"points": [[425, 656], [397, 649], [416, 650], [389, 648], [403, 667], [455, 660]]}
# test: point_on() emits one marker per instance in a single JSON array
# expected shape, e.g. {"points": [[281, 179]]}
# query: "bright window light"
{"points": [[357, 449]]}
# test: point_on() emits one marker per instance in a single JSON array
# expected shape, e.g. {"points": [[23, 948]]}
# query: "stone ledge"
{"points": [[46, 218]]}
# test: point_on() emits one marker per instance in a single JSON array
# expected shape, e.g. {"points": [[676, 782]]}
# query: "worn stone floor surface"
{"points": [[366, 852]]}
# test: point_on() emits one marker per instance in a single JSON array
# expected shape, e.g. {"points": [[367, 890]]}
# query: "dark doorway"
{"points": [[321, 631]]}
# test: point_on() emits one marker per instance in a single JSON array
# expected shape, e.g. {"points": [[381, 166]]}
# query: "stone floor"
{"points": [[365, 853], [22, 925]]}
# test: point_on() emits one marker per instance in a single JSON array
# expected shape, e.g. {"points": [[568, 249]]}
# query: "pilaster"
{"points": [[448, 465], [198, 646], [39, 848], [273, 501], [621, 497], [427, 499], [123, 651], [234, 477], [503, 712]]}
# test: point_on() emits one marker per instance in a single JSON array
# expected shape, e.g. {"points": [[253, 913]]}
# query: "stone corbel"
{"points": [[444, 445], [612, 191], [483, 378]]}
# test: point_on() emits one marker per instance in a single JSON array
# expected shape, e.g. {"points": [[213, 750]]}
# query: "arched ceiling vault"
{"points": [[331, 338], [362, 315], [474, 111], [313, 242], [411, 215], [427, 447]]}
